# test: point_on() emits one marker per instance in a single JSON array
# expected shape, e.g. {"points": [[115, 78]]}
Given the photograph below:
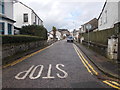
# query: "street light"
{"points": [[88, 27]]}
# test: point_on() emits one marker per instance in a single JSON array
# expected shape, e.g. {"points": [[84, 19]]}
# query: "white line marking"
{"points": [[39, 73], [49, 73], [25, 75], [65, 74]]}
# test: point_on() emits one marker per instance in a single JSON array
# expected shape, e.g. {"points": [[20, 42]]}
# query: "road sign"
{"points": [[88, 26]]}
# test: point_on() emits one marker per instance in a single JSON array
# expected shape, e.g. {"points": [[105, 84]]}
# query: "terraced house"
{"points": [[6, 17], [24, 15]]}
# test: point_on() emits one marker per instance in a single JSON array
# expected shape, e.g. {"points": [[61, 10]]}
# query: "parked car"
{"points": [[70, 39]]}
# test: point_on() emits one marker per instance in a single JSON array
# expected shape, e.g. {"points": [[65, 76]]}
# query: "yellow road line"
{"points": [[85, 62], [114, 83], [23, 58], [82, 61], [96, 73], [107, 82]]}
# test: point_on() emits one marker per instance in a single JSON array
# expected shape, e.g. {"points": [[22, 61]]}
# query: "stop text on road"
{"points": [[30, 72]]}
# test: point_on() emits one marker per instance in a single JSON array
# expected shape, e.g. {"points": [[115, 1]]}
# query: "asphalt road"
{"points": [[58, 66]]}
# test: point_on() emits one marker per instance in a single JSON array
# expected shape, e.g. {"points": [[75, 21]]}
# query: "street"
{"points": [[58, 66]]}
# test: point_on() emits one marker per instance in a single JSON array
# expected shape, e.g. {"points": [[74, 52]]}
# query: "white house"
{"points": [[58, 35], [109, 15], [6, 17], [24, 15], [76, 34]]}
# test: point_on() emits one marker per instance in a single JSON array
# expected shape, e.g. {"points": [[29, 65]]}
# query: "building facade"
{"points": [[58, 35], [64, 33], [76, 34], [109, 15], [93, 23], [6, 17], [24, 15]]}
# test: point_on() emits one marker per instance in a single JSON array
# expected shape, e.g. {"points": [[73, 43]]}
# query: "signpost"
{"points": [[88, 27]]}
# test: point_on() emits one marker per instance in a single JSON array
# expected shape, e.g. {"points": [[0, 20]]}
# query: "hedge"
{"points": [[14, 39], [34, 30]]}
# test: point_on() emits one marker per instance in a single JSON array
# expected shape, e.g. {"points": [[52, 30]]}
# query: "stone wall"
{"points": [[12, 49]]}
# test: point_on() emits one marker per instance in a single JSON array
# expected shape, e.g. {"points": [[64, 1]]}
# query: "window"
{"points": [[35, 20], [25, 17], [100, 21], [9, 29], [2, 26], [38, 22], [2, 7], [105, 17]]}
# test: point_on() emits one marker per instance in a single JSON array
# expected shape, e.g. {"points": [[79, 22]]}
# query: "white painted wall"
{"points": [[9, 8], [83, 29], [108, 20], [19, 11], [37, 19], [58, 35]]}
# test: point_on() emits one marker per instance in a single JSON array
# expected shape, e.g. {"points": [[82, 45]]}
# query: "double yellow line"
{"points": [[23, 58], [92, 71], [112, 84], [85, 62]]}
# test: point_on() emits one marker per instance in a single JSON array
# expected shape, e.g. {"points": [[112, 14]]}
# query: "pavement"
{"points": [[102, 63], [59, 66]]}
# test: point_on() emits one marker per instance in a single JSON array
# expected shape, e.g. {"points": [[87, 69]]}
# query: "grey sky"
{"points": [[68, 14]]}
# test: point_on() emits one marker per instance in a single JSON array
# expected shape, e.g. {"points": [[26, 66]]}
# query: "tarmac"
{"points": [[103, 64]]}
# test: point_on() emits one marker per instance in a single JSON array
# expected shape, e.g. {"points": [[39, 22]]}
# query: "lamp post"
{"points": [[88, 27]]}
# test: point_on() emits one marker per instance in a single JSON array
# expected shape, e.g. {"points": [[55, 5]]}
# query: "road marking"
{"points": [[83, 61], [30, 72], [115, 83], [23, 58], [65, 73], [39, 73], [108, 83], [26, 73], [95, 72], [49, 73]]}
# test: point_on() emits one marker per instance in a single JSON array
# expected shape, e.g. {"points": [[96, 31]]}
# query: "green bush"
{"points": [[34, 30], [14, 39]]}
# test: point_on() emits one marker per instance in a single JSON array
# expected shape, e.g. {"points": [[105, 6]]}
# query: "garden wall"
{"points": [[17, 46], [98, 41]]}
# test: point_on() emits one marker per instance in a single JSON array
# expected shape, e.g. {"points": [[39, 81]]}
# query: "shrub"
{"points": [[14, 39], [34, 30]]}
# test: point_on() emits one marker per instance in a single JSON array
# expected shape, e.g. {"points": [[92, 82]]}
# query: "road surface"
{"points": [[58, 66]]}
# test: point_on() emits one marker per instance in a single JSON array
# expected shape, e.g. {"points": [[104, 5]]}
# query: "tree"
{"points": [[54, 32]]}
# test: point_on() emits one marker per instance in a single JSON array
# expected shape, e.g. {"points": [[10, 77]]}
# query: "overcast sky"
{"points": [[68, 14]]}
